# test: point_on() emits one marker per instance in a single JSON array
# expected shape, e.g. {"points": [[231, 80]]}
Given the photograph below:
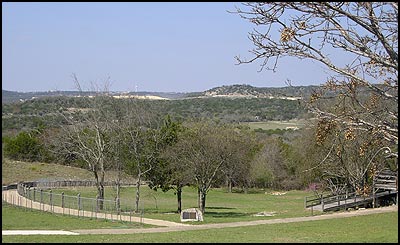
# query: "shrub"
{"points": [[24, 146]]}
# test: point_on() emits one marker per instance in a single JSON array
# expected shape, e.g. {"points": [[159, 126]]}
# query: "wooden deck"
{"points": [[334, 203], [384, 191]]}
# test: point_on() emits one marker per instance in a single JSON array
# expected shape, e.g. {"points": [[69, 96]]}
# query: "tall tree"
{"points": [[139, 130], [241, 147], [169, 172], [201, 152], [86, 134], [359, 96]]}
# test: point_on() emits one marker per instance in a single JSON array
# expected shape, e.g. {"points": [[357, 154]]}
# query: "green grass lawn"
{"points": [[14, 171], [221, 206], [374, 228], [18, 218]]}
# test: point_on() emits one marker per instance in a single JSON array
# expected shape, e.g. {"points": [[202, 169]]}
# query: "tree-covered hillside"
{"points": [[45, 111]]}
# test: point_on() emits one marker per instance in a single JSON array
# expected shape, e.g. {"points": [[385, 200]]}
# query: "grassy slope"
{"points": [[15, 171]]}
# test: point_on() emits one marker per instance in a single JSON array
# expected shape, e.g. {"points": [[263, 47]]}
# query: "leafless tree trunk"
{"points": [[86, 135], [138, 128]]}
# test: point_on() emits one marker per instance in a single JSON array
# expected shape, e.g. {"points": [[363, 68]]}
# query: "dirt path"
{"points": [[173, 226]]}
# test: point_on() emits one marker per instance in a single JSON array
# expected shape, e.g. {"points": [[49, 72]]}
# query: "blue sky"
{"points": [[159, 47]]}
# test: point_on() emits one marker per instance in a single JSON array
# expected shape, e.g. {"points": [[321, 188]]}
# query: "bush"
{"points": [[24, 146]]}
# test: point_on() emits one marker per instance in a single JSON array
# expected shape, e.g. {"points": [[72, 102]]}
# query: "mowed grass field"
{"points": [[221, 207], [374, 228]]}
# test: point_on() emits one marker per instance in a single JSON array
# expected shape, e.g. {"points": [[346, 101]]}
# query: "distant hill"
{"points": [[232, 91], [11, 96], [244, 90]]}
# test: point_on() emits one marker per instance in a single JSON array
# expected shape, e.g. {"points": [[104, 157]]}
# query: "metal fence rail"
{"points": [[32, 197]]}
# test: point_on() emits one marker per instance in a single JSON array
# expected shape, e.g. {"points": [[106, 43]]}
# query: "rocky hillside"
{"points": [[245, 90]]}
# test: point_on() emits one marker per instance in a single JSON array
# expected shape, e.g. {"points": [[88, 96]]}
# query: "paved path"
{"points": [[37, 232], [172, 226], [12, 196]]}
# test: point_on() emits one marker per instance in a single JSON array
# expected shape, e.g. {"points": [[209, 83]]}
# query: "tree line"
{"points": [[169, 154]]}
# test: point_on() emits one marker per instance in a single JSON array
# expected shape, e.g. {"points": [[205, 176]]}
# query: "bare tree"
{"points": [[87, 135], [139, 130], [360, 96], [242, 147]]}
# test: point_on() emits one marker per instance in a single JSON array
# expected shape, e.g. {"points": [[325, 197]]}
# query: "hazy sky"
{"points": [[160, 47]]}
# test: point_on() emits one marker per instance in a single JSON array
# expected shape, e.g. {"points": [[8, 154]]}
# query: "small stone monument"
{"points": [[191, 214]]}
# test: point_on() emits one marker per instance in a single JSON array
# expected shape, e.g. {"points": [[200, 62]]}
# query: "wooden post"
{"points": [[322, 202], [79, 202], [51, 201], [41, 199], [338, 199], [62, 201], [97, 204]]}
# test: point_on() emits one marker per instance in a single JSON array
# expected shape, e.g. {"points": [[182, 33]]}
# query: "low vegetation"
{"points": [[374, 228], [13, 171], [18, 218]]}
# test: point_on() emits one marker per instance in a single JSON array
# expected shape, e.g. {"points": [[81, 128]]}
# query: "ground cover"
{"points": [[15, 171], [221, 206], [374, 228], [18, 218]]}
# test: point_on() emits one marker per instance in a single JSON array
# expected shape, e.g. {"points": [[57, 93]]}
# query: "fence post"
{"points": [[79, 202], [62, 202], [69, 208], [34, 194], [32, 201], [97, 204], [29, 196], [26, 198], [91, 215], [83, 207], [51, 200], [141, 215], [338, 199], [41, 199], [322, 202]]}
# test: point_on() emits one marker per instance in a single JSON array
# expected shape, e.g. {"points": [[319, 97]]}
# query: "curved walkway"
{"points": [[12, 196], [173, 226]]}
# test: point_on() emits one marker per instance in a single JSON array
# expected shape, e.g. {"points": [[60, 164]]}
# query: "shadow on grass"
{"points": [[219, 208], [225, 214]]}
